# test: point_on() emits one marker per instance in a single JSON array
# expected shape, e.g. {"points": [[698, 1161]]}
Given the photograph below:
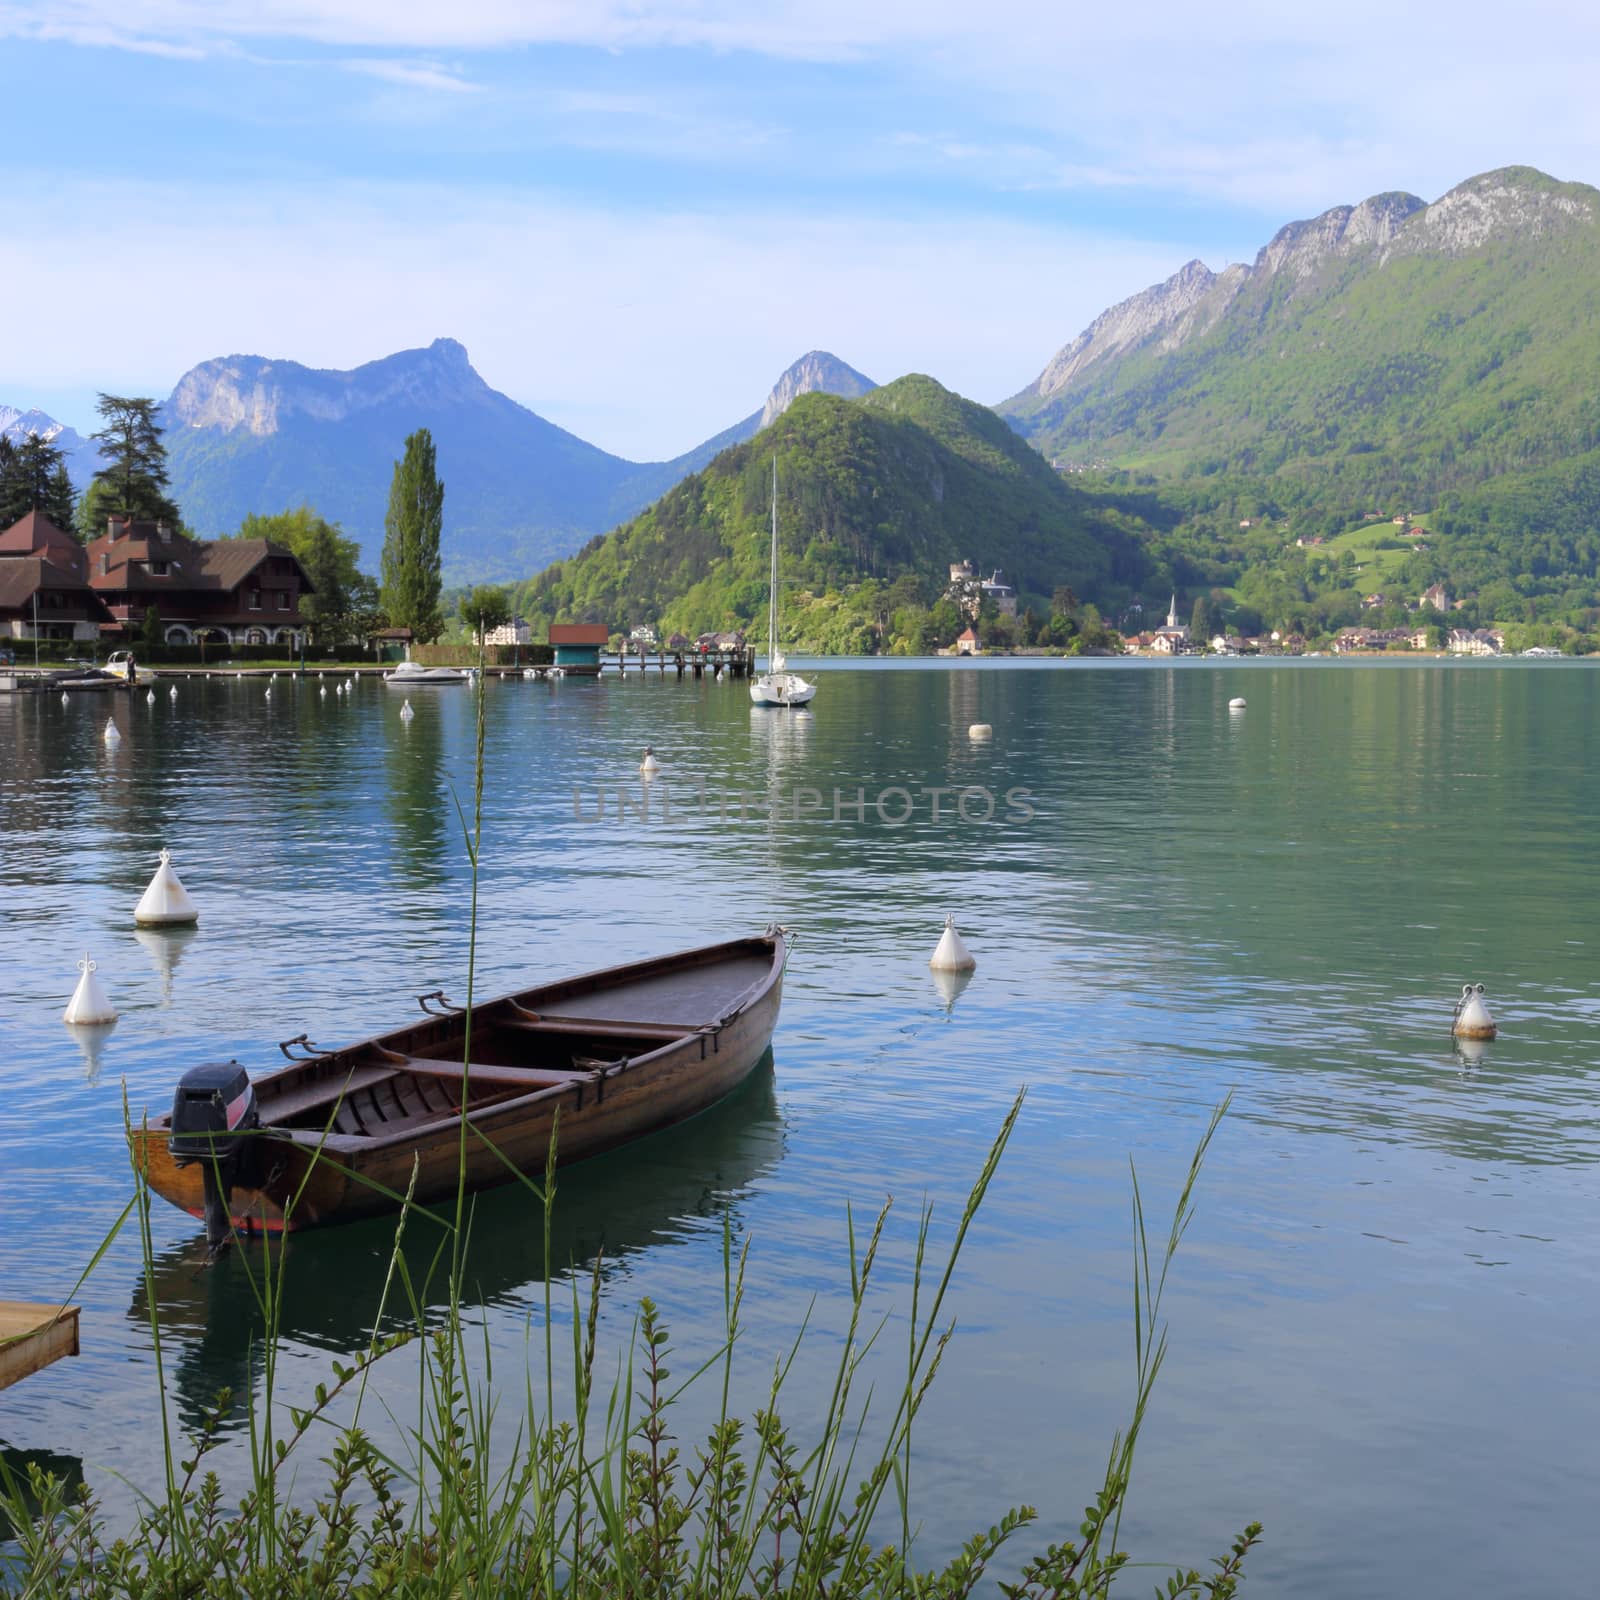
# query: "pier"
{"points": [[692, 663], [31, 1337]]}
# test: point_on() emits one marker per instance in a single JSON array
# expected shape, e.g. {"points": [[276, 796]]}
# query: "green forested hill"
{"points": [[1386, 357], [876, 496]]}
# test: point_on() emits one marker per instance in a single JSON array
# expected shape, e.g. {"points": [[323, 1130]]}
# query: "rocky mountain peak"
{"points": [[258, 394], [817, 371], [1164, 309], [1508, 203]]}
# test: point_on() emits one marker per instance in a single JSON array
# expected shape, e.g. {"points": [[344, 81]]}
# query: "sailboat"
{"points": [[776, 686]]}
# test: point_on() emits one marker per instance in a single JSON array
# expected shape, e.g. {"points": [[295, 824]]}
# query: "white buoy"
{"points": [[950, 985], [66, 699], [90, 1006], [980, 731], [111, 736], [150, 697], [649, 764], [1237, 703], [951, 955], [173, 692], [1472, 1014], [323, 691], [406, 713], [269, 692], [165, 903], [273, 678]]}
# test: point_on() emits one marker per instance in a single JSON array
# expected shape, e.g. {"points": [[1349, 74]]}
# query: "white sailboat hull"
{"points": [[781, 689]]}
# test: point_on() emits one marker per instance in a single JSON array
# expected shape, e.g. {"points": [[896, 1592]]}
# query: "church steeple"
{"points": [[1172, 611]]}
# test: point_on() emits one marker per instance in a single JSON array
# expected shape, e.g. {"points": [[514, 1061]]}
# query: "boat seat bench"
{"points": [[596, 1027]]}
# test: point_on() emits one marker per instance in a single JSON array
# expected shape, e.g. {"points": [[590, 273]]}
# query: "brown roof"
{"points": [[216, 565], [579, 633], [20, 576], [36, 535]]}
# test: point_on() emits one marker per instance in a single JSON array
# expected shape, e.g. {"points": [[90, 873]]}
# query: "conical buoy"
{"points": [[1237, 703], [323, 691], [111, 736], [406, 713], [649, 764], [173, 692], [150, 697], [166, 902], [90, 1005], [951, 955], [1472, 1015], [269, 692], [980, 731], [66, 699]]}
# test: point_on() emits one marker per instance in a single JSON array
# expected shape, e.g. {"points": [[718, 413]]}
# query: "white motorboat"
{"points": [[410, 673], [777, 686]]}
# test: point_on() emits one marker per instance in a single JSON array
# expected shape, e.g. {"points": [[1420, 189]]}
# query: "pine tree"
{"points": [[412, 526], [134, 477], [33, 477]]}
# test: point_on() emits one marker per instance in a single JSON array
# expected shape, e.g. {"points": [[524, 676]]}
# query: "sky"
{"points": [[636, 213]]}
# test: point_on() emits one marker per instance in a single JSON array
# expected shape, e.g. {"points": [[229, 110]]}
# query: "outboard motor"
{"points": [[214, 1114]]}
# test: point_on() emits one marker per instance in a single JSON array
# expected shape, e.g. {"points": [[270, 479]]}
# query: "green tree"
{"points": [[135, 472], [1201, 622], [332, 564], [412, 526], [33, 477], [484, 608], [150, 630]]}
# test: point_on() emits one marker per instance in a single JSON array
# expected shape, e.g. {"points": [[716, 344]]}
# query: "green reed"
{"points": [[576, 1486]]}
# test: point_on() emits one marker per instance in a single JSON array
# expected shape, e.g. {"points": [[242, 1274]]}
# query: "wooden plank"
{"points": [[32, 1337], [496, 1077], [595, 1027]]}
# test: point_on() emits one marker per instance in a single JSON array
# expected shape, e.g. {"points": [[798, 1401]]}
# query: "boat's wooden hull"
{"points": [[309, 1176]]}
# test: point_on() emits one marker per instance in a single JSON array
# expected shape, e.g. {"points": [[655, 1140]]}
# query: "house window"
{"points": [[255, 600], [283, 602], [158, 569]]}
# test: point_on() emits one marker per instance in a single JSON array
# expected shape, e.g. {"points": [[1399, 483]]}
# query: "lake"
{"points": [[1380, 1313]]}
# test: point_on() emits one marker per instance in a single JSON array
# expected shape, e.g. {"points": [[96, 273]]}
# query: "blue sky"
{"points": [[635, 215]]}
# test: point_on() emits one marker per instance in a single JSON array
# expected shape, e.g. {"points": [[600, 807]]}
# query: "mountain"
{"points": [[876, 497], [1388, 356], [245, 434], [83, 455]]}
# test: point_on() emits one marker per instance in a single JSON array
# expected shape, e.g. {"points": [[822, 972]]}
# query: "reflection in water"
{"points": [[165, 947], [14, 1465], [421, 816], [91, 1039], [650, 1193], [950, 985]]}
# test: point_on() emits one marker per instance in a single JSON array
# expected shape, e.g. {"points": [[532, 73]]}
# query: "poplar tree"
{"points": [[411, 529]]}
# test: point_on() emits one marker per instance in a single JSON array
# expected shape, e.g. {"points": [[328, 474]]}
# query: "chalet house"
{"points": [[1371, 602], [44, 584], [234, 591]]}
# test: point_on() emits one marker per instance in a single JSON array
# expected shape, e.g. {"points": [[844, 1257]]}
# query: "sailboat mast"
{"points": [[772, 599]]}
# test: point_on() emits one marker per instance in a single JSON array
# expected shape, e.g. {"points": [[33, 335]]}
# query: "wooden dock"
{"points": [[32, 1337]]}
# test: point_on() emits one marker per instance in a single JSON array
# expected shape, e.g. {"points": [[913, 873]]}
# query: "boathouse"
{"points": [[578, 646]]}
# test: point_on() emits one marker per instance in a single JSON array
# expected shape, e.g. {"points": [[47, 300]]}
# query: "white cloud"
{"points": [[1264, 105], [646, 333], [412, 74]]}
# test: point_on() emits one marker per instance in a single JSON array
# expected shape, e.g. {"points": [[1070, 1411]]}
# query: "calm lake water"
{"points": [[1383, 1317]]}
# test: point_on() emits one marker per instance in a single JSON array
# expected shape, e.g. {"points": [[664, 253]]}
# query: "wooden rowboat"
{"points": [[334, 1136]]}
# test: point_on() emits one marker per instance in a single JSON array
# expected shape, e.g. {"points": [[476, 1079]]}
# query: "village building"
{"points": [[1173, 638], [642, 636], [516, 631], [967, 643], [1001, 592], [235, 591], [44, 586], [1475, 642], [1435, 595]]}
